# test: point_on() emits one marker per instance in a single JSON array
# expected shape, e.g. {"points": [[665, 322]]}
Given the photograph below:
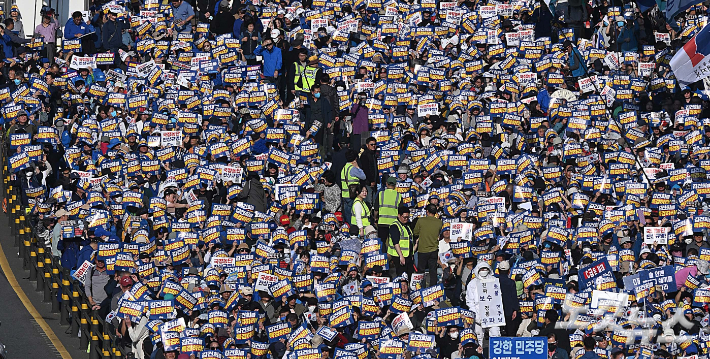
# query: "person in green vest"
{"points": [[360, 211], [304, 76], [350, 174], [386, 204], [400, 243]]}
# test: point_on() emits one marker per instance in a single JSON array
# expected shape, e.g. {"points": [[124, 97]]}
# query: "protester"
{"points": [[384, 180]]}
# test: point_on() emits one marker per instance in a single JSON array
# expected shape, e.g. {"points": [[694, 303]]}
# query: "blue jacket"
{"points": [[576, 58], [84, 255], [543, 98], [272, 59], [71, 29], [70, 252], [66, 138], [625, 34], [237, 28], [112, 35], [6, 43]]}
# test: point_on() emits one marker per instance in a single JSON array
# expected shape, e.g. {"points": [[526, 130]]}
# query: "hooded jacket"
{"points": [[473, 288]]}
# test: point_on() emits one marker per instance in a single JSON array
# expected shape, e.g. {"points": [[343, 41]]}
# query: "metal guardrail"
{"points": [[66, 294]]}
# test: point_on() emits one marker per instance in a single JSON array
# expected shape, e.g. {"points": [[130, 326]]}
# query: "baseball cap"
{"points": [[391, 180]]}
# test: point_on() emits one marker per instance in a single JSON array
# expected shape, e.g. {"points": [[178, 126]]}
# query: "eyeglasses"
{"points": [[372, 144]]}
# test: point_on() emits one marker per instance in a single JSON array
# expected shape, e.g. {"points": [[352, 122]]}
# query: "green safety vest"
{"points": [[389, 203], [346, 179], [365, 213], [309, 77], [405, 240]]}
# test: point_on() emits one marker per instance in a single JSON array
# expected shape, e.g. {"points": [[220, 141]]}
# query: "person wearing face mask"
{"points": [[553, 352], [272, 60], [448, 341], [318, 110], [473, 291], [698, 241]]}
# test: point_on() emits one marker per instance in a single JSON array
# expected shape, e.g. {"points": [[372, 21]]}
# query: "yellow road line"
{"points": [[30, 308]]}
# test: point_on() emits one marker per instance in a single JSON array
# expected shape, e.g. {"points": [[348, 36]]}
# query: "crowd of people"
{"points": [[369, 179]]}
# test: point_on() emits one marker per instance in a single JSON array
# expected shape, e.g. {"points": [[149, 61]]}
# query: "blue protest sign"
{"points": [[591, 273], [518, 348], [662, 276], [632, 281]]}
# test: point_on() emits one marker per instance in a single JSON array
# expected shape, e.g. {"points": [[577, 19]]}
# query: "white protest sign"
{"points": [[233, 174], [662, 36], [512, 38], [145, 68], [82, 271], [454, 16], [264, 281], [82, 62], [317, 24], [428, 109], [223, 261], [461, 231], [498, 201], [646, 68], [491, 307], [652, 235], [488, 11], [492, 37], [620, 299], [612, 60], [401, 321], [586, 85], [170, 138]]}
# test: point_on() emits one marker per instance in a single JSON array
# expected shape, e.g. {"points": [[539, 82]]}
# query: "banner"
{"points": [[491, 305], [82, 62], [520, 348]]}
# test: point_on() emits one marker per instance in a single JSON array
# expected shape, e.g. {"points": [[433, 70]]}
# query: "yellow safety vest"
{"points": [[405, 240], [346, 179], [365, 213], [389, 202], [309, 77]]}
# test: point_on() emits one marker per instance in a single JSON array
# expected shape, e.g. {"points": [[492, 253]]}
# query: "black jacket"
{"points": [[327, 116], [369, 165]]}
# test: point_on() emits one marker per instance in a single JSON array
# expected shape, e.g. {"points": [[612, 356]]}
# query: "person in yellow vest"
{"points": [[304, 76], [386, 204], [351, 174], [400, 243], [360, 212]]}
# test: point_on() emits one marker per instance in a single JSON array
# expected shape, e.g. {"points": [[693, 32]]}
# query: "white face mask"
{"points": [[484, 273], [28, 174], [688, 240], [454, 335], [312, 308]]}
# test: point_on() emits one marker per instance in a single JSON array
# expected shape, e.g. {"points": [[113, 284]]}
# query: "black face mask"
{"points": [[551, 347]]}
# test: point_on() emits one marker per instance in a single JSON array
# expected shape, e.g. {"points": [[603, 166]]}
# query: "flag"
{"points": [[692, 62]]}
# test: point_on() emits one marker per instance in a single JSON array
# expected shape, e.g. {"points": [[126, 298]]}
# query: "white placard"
{"points": [[82, 62], [82, 271], [461, 231], [428, 109], [491, 307], [653, 235], [170, 138], [264, 281]]}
